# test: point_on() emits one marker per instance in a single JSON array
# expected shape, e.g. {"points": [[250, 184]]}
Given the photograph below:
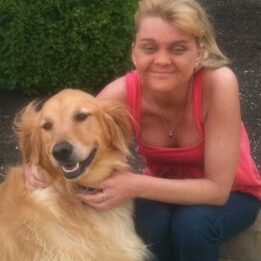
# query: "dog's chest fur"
{"points": [[51, 228]]}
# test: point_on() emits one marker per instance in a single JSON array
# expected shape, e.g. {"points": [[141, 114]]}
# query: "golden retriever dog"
{"points": [[75, 141]]}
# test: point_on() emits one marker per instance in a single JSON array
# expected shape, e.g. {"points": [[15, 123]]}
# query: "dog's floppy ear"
{"points": [[117, 121], [26, 127]]}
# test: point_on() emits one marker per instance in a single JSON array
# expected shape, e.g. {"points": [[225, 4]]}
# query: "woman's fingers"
{"points": [[96, 200]]}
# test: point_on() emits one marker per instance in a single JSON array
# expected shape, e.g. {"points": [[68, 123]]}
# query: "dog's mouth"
{"points": [[76, 169]]}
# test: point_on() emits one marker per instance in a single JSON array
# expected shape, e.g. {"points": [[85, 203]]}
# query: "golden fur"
{"points": [[50, 224]]}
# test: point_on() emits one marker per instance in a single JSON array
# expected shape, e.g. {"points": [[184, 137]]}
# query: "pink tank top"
{"points": [[188, 162]]}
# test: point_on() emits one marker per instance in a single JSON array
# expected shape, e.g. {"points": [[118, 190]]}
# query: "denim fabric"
{"points": [[192, 233]]}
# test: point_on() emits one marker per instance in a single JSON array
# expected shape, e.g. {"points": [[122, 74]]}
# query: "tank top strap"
{"points": [[134, 100], [197, 100]]}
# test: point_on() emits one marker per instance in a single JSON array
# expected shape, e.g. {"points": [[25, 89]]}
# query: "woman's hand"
{"points": [[33, 178], [115, 190]]}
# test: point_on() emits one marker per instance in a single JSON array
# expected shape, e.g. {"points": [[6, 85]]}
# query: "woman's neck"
{"points": [[164, 102]]}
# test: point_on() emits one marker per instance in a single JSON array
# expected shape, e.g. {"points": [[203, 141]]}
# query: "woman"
{"points": [[201, 186]]}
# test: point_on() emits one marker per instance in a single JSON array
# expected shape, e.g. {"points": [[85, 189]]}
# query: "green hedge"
{"points": [[46, 45]]}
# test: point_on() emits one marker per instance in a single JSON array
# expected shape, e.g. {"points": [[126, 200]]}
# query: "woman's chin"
{"points": [[161, 82], [162, 86]]}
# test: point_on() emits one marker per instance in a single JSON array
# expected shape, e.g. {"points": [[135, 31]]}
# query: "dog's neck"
{"points": [[85, 190]]}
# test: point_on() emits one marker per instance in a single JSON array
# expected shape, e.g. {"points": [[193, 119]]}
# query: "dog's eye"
{"points": [[81, 116], [47, 125]]}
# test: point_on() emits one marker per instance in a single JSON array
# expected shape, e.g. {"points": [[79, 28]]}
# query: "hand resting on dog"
{"points": [[118, 188]]}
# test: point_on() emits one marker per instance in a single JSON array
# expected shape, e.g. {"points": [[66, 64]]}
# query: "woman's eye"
{"points": [[178, 49], [148, 48], [81, 116]]}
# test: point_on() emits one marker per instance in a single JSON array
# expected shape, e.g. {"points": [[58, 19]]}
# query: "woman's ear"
{"points": [[200, 56], [133, 58], [201, 52]]}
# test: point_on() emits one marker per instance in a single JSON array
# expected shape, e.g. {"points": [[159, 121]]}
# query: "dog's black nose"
{"points": [[62, 151]]}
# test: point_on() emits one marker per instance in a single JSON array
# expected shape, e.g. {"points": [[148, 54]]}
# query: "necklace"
{"points": [[171, 129], [171, 134]]}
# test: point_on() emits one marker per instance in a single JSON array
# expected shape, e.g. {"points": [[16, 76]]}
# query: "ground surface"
{"points": [[237, 24]]}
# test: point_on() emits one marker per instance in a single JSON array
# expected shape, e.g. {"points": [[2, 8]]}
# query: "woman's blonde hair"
{"points": [[190, 17]]}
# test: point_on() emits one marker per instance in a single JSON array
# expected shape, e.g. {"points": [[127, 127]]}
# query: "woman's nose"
{"points": [[163, 58]]}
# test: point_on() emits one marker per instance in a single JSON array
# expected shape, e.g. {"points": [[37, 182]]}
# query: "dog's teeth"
{"points": [[77, 166]]}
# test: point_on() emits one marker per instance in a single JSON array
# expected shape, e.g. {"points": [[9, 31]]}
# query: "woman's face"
{"points": [[164, 56]]}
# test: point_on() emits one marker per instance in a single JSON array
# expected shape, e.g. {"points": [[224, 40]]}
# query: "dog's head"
{"points": [[74, 135]]}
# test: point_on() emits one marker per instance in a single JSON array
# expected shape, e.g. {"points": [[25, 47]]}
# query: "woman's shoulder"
{"points": [[222, 77], [114, 91], [219, 81], [220, 88]]}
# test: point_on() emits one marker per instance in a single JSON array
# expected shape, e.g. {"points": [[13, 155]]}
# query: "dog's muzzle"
{"points": [[72, 168]]}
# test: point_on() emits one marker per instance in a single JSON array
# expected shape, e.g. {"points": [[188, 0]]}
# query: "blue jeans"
{"points": [[192, 233]]}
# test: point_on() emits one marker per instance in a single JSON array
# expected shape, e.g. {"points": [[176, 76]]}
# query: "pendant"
{"points": [[170, 134]]}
